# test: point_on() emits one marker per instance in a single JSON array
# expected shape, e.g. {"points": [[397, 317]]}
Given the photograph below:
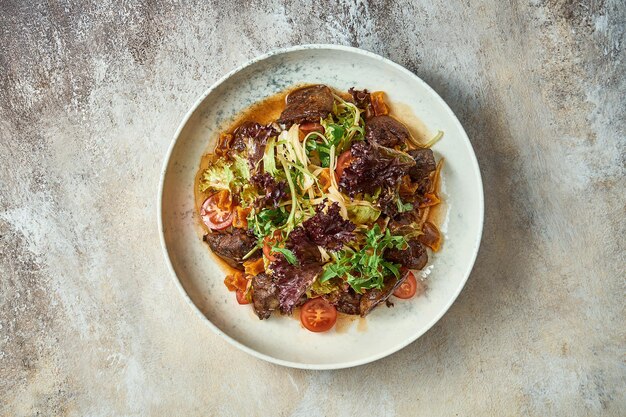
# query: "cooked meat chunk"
{"points": [[386, 131], [371, 298], [407, 223], [347, 302], [413, 257], [424, 165], [231, 247], [307, 104], [264, 295]]}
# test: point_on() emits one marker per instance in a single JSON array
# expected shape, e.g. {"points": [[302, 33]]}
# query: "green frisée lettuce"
{"points": [[349, 126], [225, 175]]}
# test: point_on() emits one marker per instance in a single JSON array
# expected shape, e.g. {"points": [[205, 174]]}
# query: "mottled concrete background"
{"points": [[91, 323]]}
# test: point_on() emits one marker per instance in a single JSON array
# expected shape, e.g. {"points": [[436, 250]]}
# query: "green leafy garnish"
{"points": [[226, 175], [404, 207], [366, 268], [266, 221], [269, 159], [341, 128], [322, 149], [289, 255]]}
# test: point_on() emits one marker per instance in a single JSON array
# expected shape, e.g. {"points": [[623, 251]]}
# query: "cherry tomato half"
{"points": [[241, 298], [344, 161], [318, 315], [267, 248], [213, 216], [407, 288]]}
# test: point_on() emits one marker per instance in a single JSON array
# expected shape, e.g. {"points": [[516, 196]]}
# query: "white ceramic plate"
{"points": [[282, 340]]}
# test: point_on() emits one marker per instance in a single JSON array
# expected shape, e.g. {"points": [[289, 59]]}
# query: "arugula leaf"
{"points": [[366, 268], [266, 221], [323, 152], [334, 132], [289, 255]]}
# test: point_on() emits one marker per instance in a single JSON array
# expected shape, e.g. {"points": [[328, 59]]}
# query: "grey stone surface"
{"points": [[91, 322]]}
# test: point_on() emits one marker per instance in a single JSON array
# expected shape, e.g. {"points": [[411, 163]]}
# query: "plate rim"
{"points": [[236, 343]]}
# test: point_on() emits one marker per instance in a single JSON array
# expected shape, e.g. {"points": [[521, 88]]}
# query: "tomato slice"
{"points": [[267, 251], [213, 216], [407, 288], [268, 242], [344, 161], [318, 315], [241, 298], [309, 127]]}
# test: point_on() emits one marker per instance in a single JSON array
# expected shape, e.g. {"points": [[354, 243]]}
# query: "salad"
{"points": [[325, 207]]}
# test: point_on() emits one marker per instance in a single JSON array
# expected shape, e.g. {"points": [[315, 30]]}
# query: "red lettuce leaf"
{"points": [[274, 190], [374, 167], [329, 229]]}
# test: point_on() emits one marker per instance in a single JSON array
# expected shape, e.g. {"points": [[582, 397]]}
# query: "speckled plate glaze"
{"points": [[283, 340]]}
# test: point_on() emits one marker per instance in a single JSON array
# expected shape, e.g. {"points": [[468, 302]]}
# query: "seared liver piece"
{"points": [[424, 165], [347, 302], [371, 298], [232, 247], [413, 257], [264, 296], [307, 104], [386, 131]]}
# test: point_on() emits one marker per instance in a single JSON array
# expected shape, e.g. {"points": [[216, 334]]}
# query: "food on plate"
{"points": [[325, 206]]}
